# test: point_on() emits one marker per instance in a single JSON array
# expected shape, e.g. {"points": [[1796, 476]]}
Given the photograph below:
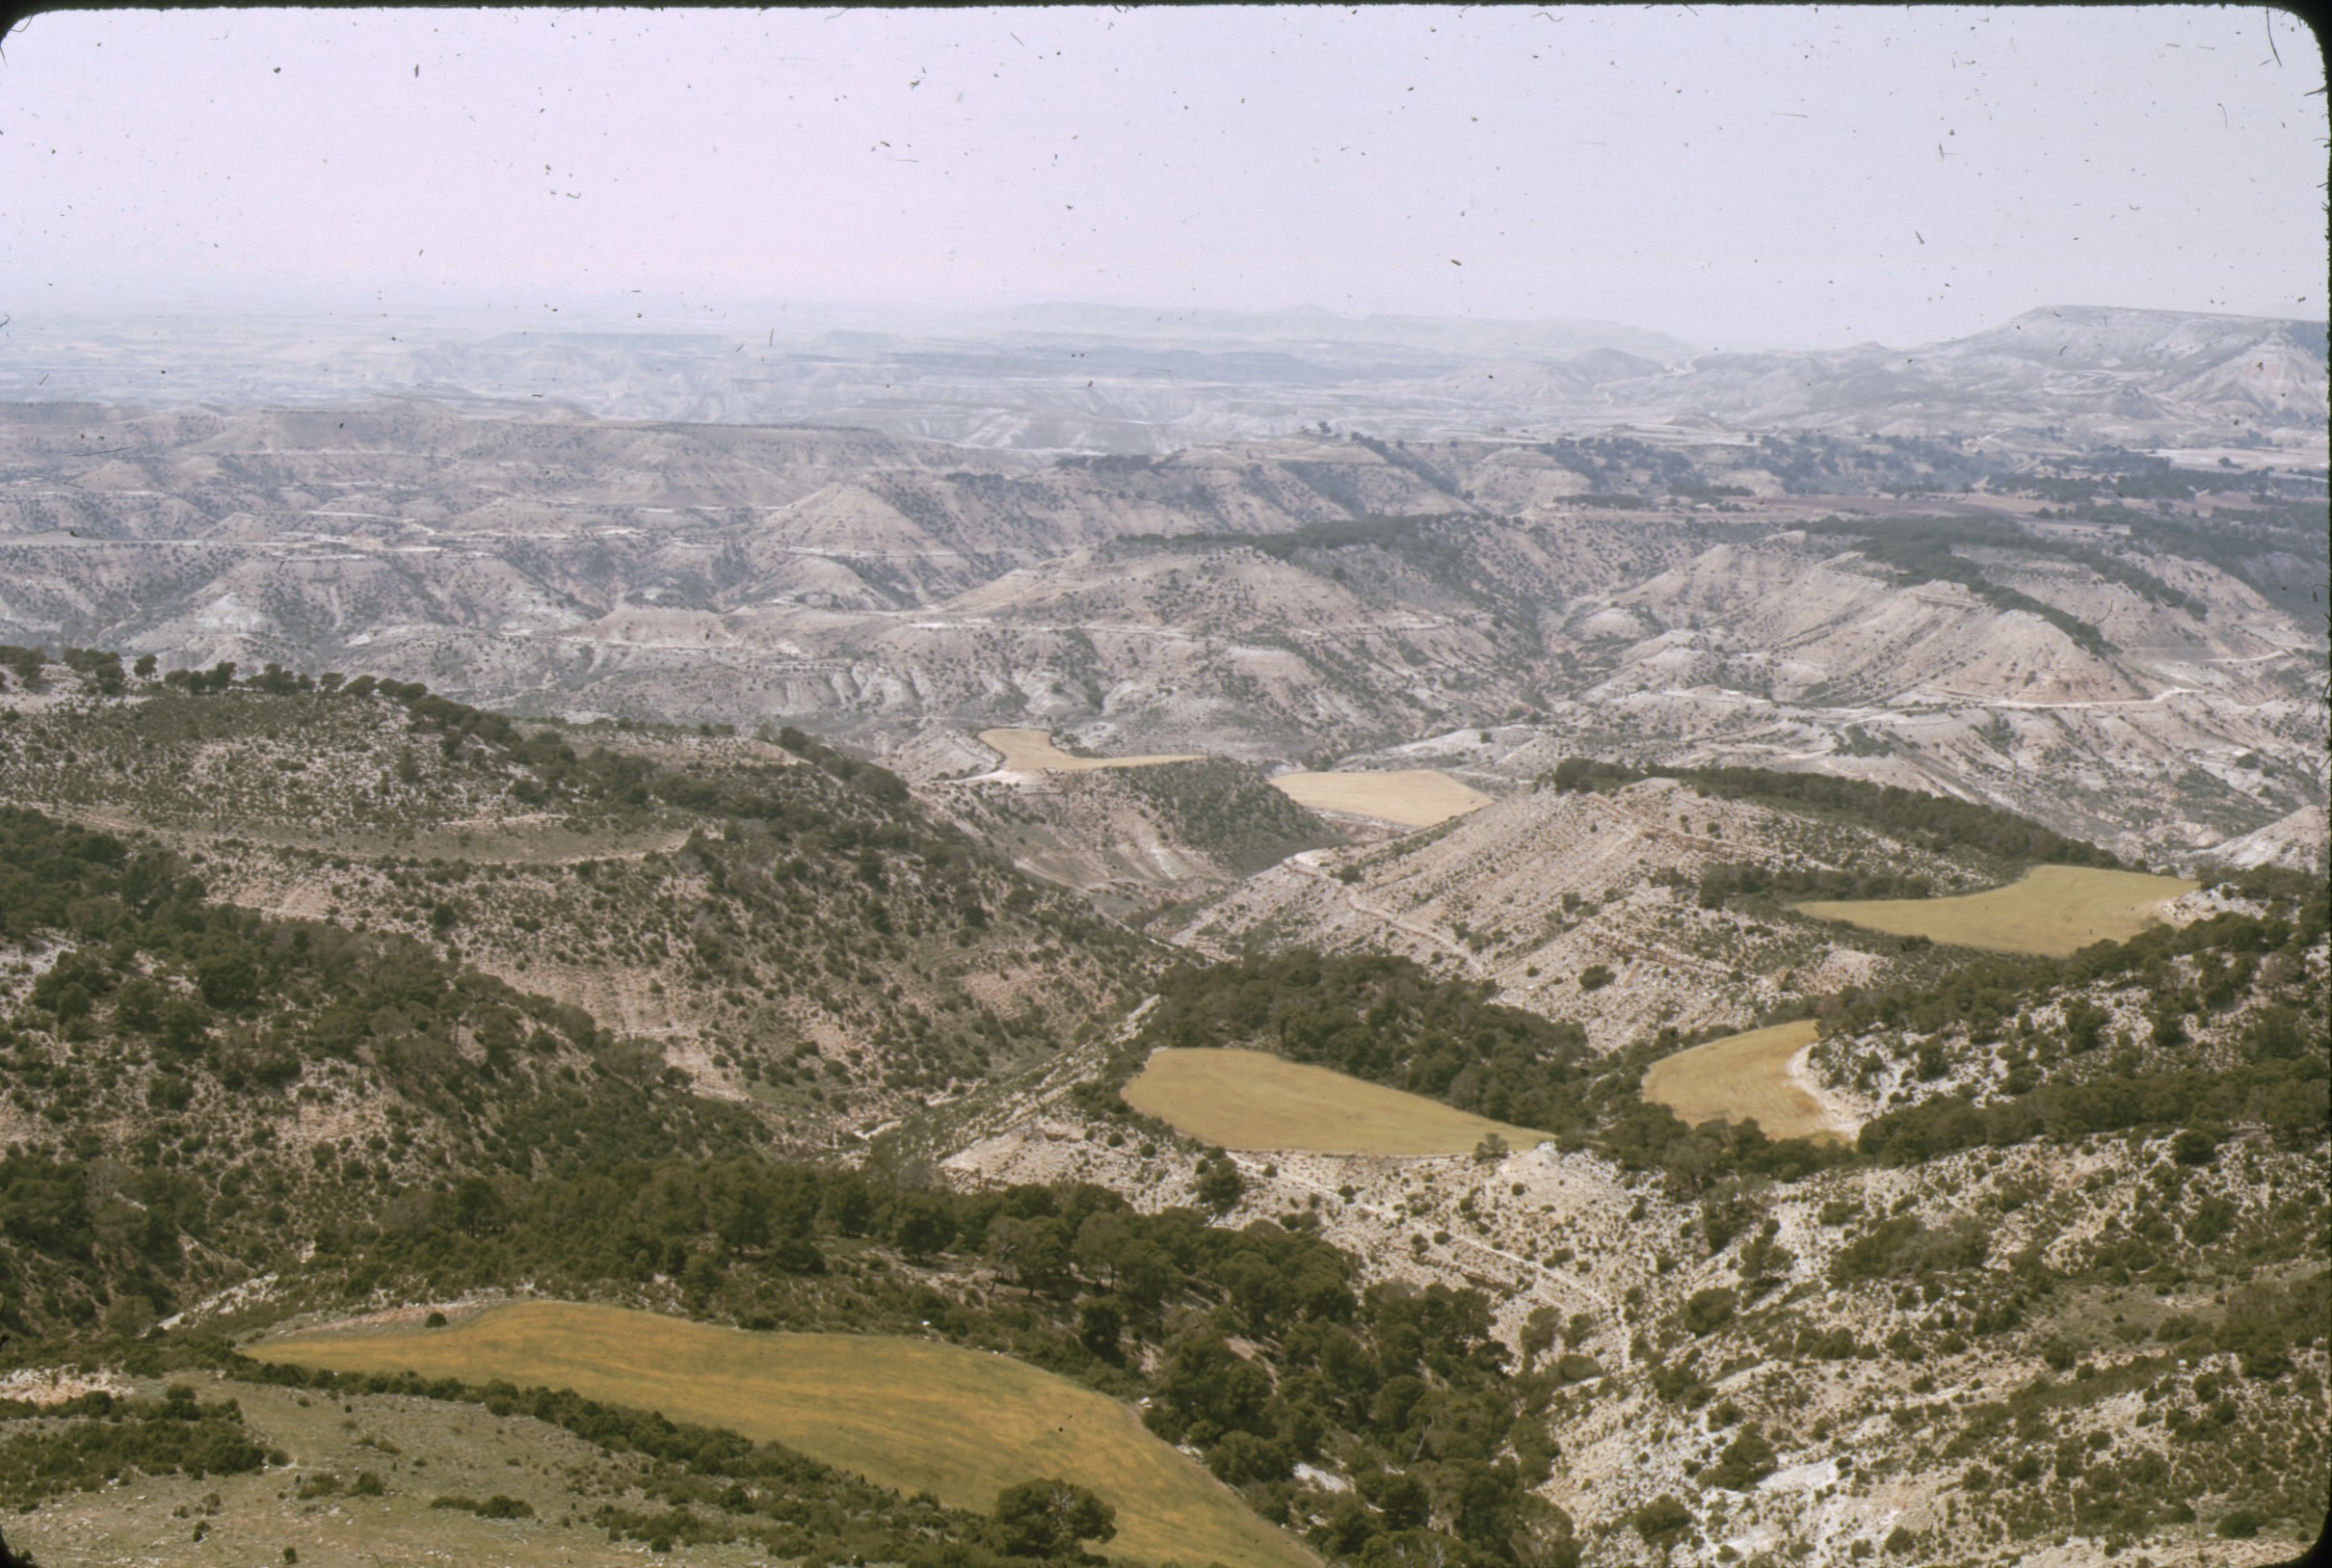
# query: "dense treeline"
{"points": [[1931, 822], [1389, 1021], [1403, 1389], [2286, 1095], [1937, 822], [2238, 542], [1734, 882], [1939, 536], [102, 669], [95, 1440], [1227, 810], [1644, 1137]]}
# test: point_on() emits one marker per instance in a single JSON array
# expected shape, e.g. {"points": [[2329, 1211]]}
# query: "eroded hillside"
{"points": [[1662, 903], [1987, 619], [782, 928]]}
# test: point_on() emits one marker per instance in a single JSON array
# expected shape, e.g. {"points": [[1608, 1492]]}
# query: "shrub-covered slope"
{"points": [[781, 920]]}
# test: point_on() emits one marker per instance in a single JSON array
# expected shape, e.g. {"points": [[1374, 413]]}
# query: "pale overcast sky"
{"points": [[1736, 177]]}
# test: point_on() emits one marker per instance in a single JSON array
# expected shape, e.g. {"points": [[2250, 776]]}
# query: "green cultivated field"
{"points": [[909, 1414], [1743, 1076], [1250, 1100], [2055, 910]]}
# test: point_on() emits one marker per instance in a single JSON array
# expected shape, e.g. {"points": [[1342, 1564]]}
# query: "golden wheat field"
{"points": [[1743, 1077], [1032, 751], [2053, 910], [1413, 798], [910, 1414], [1255, 1101]]}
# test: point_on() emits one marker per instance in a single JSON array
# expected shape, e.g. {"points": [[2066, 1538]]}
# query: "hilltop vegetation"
{"points": [[785, 910], [1134, 840], [1227, 812], [1382, 1020], [194, 1091], [1929, 549]]}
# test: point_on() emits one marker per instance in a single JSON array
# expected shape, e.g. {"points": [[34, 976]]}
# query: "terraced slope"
{"points": [[1589, 908]]}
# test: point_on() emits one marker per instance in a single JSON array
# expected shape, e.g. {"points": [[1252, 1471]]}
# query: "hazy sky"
{"points": [[1736, 177]]}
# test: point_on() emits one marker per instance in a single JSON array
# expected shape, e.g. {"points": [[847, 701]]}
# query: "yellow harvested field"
{"points": [[1413, 798], [1032, 751], [909, 1414], [1743, 1077], [2055, 910], [1254, 1101]]}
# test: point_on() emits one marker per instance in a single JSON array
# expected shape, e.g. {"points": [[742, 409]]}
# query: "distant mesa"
{"points": [[1096, 379]]}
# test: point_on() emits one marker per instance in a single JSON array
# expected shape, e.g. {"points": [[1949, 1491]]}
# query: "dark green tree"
{"points": [[1219, 1183], [1048, 1517]]}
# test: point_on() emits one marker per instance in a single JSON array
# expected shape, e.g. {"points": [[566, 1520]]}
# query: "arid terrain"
{"points": [[1708, 960], [2118, 643]]}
